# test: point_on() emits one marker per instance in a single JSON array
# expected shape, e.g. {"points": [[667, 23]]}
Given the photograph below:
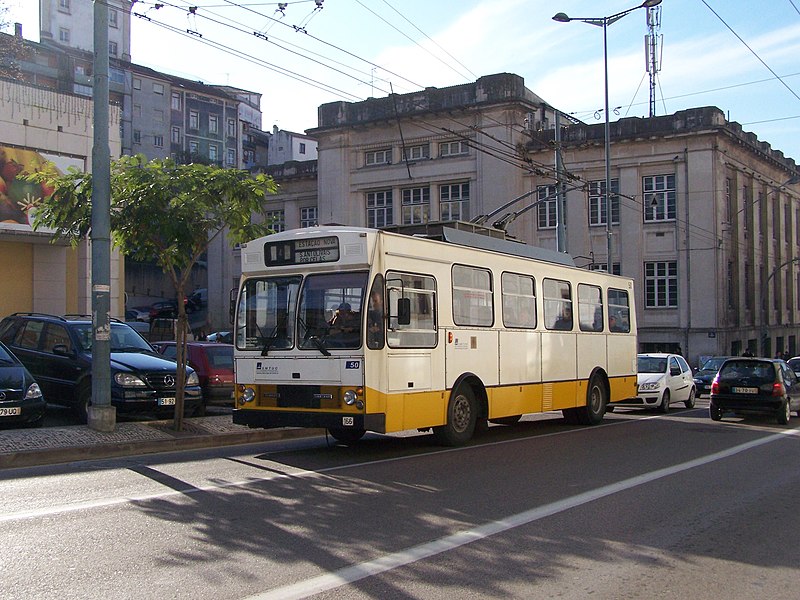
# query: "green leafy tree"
{"points": [[164, 213]]}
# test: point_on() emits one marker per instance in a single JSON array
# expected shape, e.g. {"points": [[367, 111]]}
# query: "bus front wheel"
{"points": [[462, 414]]}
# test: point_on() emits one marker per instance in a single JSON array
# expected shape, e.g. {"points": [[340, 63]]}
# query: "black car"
{"points": [[705, 375], [755, 386], [58, 353], [21, 400]]}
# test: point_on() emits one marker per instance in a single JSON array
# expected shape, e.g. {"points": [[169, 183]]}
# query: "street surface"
{"points": [[643, 506]]}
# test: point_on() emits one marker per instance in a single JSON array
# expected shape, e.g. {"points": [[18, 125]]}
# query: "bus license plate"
{"points": [[166, 401], [744, 390], [10, 412]]}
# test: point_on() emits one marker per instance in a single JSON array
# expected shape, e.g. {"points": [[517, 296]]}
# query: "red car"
{"points": [[213, 363]]}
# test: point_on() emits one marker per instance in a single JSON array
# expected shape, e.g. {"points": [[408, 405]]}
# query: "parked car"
{"points": [[222, 337], [138, 313], [755, 386], [58, 353], [198, 298], [661, 379], [213, 363], [163, 309], [794, 363], [21, 400], [705, 375]]}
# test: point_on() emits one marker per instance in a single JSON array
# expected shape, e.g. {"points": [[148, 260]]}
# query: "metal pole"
{"points": [[607, 148], [561, 230], [102, 416]]}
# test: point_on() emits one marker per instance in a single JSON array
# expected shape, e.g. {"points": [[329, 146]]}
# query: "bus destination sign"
{"points": [[300, 252]]}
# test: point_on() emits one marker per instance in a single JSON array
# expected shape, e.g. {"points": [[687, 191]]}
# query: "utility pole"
{"points": [[102, 416], [561, 231]]}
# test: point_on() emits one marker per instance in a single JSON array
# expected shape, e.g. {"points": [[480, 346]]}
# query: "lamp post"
{"points": [[604, 22]]}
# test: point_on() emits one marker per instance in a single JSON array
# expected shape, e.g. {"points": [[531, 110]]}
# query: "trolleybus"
{"points": [[353, 329]]}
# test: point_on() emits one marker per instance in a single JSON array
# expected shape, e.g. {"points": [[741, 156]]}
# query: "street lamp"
{"points": [[604, 22]]}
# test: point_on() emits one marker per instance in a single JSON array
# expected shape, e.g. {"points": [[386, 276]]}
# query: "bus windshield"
{"points": [[267, 314], [330, 310]]}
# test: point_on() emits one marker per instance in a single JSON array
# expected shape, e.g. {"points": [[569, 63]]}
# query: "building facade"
{"points": [[70, 23]]}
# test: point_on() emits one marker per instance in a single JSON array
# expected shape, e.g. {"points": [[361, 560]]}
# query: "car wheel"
{"points": [[690, 400], [462, 414], [346, 436], [715, 412], [664, 406], [784, 413]]}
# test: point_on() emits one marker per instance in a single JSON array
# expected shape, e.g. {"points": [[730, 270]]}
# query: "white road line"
{"points": [[353, 573]]}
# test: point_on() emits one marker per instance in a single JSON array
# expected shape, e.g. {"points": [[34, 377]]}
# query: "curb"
{"points": [[52, 456]]}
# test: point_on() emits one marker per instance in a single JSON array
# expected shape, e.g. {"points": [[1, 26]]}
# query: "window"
{"points": [[378, 157], [728, 199], [661, 284], [418, 152], [454, 202], [82, 90], [519, 300], [176, 101], [308, 216], [416, 205], [302, 148], [116, 75], [659, 198], [158, 141], [472, 296], [603, 268], [546, 212], [459, 148], [176, 135], [63, 5], [212, 152], [112, 18], [231, 127], [276, 220], [194, 119], [619, 311], [418, 292], [230, 158], [137, 110], [597, 202], [557, 304], [63, 35], [158, 115], [137, 83], [112, 48], [379, 208], [158, 88], [590, 308], [213, 124], [137, 136], [194, 147], [746, 202]]}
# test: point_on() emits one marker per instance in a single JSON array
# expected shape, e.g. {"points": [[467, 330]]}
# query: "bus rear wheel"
{"points": [[346, 436], [462, 414], [594, 409]]}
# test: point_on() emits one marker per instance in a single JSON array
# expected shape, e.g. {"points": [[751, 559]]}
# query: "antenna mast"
{"points": [[652, 51]]}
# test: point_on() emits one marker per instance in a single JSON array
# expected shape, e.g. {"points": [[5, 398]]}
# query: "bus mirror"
{"points": [[403, 311], [232, 306]]}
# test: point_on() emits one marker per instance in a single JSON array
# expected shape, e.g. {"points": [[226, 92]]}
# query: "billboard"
{"points": [[16, 194]]}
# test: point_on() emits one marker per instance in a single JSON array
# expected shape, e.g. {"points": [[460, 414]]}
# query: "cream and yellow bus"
{"points": [[353, 330]]}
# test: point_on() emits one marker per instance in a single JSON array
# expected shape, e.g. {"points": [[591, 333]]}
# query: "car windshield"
{"points": [[750, 371], [220, 357], [5, 357], [123, 338], [651, 364], [713, 364]]}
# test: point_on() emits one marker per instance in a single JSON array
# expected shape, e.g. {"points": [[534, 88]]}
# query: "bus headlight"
{"points": [[350, 397], [248, 395]]}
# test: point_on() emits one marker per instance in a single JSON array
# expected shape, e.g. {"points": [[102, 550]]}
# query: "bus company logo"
{"points": [[263, 369], [352, 364]]}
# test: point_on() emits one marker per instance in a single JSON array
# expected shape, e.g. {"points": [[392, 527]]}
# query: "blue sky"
{"points": [[743, 59]]}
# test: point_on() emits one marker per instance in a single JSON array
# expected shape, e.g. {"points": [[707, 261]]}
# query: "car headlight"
{"points": [[129, 380], [192, 378], [650, 387], [33, 392]]}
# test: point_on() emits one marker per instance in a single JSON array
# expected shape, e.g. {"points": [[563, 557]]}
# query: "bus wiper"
{"points": [[319, 344]]}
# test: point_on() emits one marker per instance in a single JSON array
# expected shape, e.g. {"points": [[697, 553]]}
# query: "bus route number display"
{"points": [[300, 252]]}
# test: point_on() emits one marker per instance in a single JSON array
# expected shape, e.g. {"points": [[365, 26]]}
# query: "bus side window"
{"points": [[403, 311]]}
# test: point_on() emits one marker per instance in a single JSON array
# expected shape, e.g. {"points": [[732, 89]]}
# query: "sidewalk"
{"points": [[51, 445]]}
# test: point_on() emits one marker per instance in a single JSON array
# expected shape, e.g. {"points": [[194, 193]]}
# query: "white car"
{"points": [[662, 379]]}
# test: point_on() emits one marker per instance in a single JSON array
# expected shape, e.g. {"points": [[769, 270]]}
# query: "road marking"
{"points": [[353, 573]]}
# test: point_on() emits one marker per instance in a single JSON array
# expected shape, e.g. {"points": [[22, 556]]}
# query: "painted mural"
{"points": [[17, 194]]}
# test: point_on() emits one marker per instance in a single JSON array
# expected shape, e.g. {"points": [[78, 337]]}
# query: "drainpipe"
{"points": [[688, 251]]}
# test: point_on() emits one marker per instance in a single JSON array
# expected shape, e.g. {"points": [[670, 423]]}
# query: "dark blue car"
{"points": [[21, 400]]}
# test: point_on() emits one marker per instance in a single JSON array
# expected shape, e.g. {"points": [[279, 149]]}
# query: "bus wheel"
{"points": [[512, 420], [346, 436], [596, 402], [462, 414]]}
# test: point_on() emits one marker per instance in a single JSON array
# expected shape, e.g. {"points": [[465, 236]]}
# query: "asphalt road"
{"points": [[642, 506]]}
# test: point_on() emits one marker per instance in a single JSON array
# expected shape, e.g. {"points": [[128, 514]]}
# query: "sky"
{"points": [[737, 55]]}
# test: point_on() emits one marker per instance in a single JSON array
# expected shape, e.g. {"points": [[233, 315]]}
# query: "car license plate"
{"points": [[744, 390], [10, 412], [166, 401]]}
